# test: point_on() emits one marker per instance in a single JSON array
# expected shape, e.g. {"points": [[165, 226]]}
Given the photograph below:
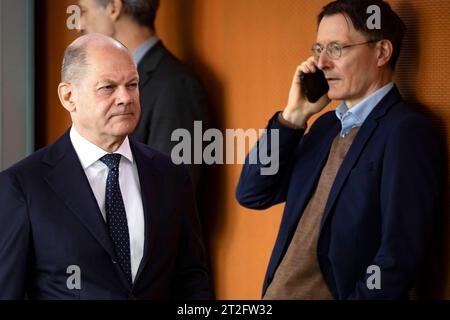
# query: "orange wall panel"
{"points": [[52, 37]]}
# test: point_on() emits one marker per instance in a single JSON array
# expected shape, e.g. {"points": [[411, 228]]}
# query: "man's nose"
{"points": [[324, 61], [124, 96]]}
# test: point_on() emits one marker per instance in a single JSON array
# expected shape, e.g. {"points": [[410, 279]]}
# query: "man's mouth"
{"points": [[122, 114]]}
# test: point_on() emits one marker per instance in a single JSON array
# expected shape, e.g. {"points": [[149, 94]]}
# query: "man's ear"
{"points": [[66, 96], [384, 52], [114, 9]]}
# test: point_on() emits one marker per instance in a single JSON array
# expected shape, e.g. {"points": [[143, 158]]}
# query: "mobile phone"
{"points": [[313, 85]]}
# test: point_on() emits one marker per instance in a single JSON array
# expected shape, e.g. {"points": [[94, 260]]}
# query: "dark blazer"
{"points": [[381, 204], [171, 98], [50, 220]]}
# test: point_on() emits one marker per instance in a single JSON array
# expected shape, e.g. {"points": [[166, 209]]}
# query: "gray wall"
{"points": [[16, 80]]}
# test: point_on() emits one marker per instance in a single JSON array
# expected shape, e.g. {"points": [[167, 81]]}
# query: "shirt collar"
{"points": [[140, 51], [355, 116], [89, 153]]}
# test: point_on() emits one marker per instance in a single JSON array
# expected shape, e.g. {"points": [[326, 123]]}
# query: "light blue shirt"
{"points": [[355, 116], [140, 51]]}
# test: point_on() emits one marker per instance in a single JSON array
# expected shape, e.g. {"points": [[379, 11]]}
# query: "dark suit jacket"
{"points": [[171, 98], [50, 220], [380, 206]]}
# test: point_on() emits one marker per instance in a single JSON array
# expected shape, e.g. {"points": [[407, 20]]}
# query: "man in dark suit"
{"points": [[360, 188], [171, 96], [97, 215]]}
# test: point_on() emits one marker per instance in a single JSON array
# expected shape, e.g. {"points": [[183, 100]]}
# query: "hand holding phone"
{"points": [[313, 85], [307, 95]]}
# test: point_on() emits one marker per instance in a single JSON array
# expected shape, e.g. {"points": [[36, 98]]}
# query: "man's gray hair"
{"points": [[141, 11], [74, 61]]}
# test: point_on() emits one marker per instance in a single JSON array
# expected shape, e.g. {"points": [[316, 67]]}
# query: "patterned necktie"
{"points": [[116, 217]]}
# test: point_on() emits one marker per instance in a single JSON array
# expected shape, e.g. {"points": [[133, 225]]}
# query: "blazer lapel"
{"points": [[69, 182], [150, 181], [357, 147], [149, 62]]}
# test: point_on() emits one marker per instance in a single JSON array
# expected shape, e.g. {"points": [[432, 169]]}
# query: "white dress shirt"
{"points": [[96, 172]]}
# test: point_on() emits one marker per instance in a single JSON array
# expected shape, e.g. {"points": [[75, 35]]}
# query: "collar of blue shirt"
{"points": [[355, 116], [140, 51]]}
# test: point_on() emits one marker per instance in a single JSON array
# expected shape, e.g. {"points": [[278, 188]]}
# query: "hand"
{"points": [[299, 109]]}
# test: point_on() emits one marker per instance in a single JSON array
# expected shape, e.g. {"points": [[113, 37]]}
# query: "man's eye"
{"points": [[106, 88], [317, 48], [132, 85], [335, 46]]}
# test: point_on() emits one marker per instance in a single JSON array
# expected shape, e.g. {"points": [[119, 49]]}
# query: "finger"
{"points": [[297, 74], [306, 67], [309, 66], [312, 61]]}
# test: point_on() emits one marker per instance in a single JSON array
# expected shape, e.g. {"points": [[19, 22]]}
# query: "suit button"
{"points": [[114, 261]]}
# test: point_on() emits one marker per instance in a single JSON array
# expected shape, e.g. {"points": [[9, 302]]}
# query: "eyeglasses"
{"points": [[334, 49]]}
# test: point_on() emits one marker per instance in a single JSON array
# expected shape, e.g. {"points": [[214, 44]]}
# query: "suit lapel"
{"points": [[352, 155], [149, 62], [150, 181], [361, 139], [69, 182]]}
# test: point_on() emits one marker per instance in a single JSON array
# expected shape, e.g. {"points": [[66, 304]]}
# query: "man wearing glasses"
{"points": [[361, 186]]}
